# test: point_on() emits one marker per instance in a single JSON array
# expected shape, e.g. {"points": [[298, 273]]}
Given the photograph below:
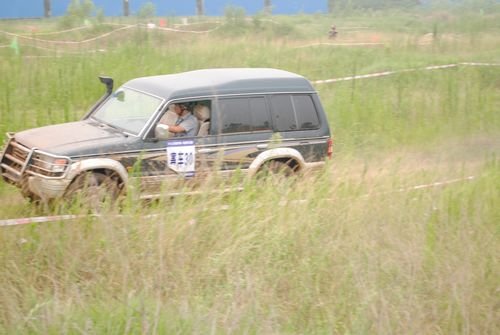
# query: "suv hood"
{"points": [[73, 138]]}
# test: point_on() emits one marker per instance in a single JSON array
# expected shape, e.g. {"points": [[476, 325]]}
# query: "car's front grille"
{"points": [[14, 161]]}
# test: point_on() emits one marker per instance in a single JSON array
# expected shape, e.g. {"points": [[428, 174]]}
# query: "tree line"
{"points": [[332, 5], [200, 6]]}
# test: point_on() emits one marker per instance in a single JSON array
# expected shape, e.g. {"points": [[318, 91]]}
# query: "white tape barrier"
{"points": [[196, 23], [77, 54], [106, 34], [55, 32], [68, 42], [383, 74], [349, 44], [388, 73], [425, 186], [401, 190], [185, 31], [59, 218], [39, 219], [480, 64], [60, 52]]}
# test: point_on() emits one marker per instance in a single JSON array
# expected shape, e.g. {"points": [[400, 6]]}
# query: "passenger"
{"points": [[186, 124], [202, 113]]}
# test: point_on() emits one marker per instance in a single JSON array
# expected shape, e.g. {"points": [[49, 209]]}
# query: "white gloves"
{"points": [[161, 131], [164, 126]]}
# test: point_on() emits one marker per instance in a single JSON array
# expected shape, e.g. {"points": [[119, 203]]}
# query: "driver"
{"points": [[186, 124]]}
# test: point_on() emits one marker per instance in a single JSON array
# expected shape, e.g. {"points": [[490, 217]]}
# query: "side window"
{"points": [[259, 114], [307, 117], [294, 112], [283, 113], [200, 109], [244, 115], [235, 115]]}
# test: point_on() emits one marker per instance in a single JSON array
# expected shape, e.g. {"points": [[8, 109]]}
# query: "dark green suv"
{"points": [[248, 119]]}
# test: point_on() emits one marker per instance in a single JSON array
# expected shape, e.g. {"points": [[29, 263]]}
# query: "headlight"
{"points": [[59, 165], [48, 165]]}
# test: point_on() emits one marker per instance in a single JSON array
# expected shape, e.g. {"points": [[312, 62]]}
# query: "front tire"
{"points": [[93, 190]]}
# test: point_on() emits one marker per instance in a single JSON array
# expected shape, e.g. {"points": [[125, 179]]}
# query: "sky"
{"points": [[34, 8]]}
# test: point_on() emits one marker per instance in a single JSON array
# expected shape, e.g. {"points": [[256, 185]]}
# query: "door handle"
{"points": [[262, 146]]}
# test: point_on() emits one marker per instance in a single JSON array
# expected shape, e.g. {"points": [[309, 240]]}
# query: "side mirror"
{"points": [[161, 132], [108, 81]]}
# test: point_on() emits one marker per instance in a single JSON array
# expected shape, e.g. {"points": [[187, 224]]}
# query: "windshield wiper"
{"points": [[107, 125]]}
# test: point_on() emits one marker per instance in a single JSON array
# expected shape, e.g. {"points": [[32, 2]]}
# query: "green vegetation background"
{"points": [[343, 252]]}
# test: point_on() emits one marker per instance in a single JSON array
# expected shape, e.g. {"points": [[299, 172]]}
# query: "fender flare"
{"points": [[98, 163], [275, 153]]}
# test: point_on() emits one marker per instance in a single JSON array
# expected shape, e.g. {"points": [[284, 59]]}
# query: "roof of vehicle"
{"points": [[223, 81]]}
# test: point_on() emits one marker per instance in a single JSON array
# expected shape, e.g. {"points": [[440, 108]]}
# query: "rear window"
{"points": [[294, 112], [244, 115]]}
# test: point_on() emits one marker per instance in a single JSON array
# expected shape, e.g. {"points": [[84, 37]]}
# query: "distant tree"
{"points": [[147, 11], [235, 16], [78, 12], [46, 8], [126, 9], [374, 4], [200, 7], [81, 9], [331, 4], [99, 16], [268, 6]]}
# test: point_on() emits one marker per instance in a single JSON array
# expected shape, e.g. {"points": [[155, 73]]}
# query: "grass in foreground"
{"points": [[326, 256]]}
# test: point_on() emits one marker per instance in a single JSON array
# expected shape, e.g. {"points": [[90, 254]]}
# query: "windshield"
{"points": [[127, 109]]}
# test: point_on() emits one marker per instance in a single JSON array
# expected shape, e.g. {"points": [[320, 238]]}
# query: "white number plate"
{"points": [[181, 156]]}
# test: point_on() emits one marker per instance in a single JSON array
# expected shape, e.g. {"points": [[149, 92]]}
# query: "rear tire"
{"points": [[275, 169]]}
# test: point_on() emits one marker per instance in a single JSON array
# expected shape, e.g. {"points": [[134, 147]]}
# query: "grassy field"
{"points": [[372, 245]]}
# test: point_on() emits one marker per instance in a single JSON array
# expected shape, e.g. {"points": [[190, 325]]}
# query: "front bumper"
{"points": [[47, 188]]}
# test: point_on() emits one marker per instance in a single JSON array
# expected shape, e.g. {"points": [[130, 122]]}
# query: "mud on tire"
{"points": [[93, 190]]}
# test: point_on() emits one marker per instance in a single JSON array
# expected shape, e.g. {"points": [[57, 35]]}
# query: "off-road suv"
{"points": [[249, 119]]}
